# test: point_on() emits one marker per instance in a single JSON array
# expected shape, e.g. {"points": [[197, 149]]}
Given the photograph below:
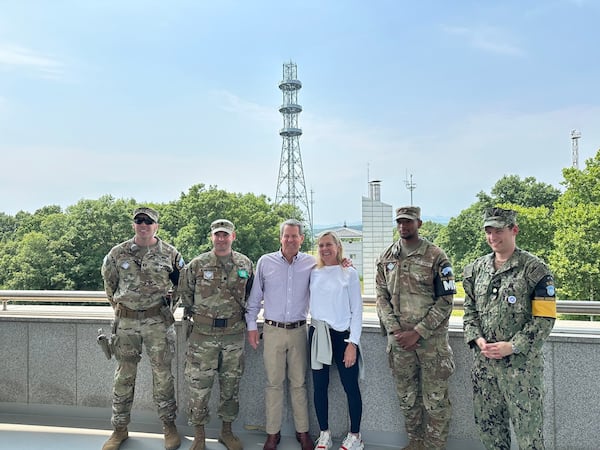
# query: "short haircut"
{"points": [[292, 223]]}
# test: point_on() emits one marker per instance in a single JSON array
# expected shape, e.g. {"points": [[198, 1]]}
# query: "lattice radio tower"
{"points": [[291, 188]]}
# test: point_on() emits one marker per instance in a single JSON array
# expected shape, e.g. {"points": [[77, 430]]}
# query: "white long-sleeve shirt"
{"points": [[335, 298]]}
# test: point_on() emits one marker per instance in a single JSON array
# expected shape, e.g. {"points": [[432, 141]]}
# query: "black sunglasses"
{"points": [[145, 220]]}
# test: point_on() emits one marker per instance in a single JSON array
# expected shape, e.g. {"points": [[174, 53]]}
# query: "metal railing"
{"points": [[576, 307]]}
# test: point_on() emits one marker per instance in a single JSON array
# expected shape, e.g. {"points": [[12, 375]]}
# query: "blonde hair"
{"points": [[338, 243]]}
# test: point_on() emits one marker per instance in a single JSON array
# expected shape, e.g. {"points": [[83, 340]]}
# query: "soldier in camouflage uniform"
{"points": [[139, 275], [213, 288], [510, 310], [415, 286]]}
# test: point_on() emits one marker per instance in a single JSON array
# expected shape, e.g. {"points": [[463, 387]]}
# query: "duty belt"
{"points": [[124, 312], [226, 322]]}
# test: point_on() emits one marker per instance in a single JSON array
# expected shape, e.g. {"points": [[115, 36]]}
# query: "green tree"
{"points": [[576, 256], [430, 230], [93, 228], [256, 220], [510, 189], [464, 240]]}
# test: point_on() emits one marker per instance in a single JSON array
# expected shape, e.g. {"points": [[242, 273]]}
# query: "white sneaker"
{"points": [[352, 442], [324, 441]]}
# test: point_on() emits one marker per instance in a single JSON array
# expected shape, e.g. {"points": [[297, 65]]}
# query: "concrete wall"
{"points": [[56, 361]]}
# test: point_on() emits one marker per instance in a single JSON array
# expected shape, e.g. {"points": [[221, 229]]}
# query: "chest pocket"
{"points": [[420, 279], [208, 281]]}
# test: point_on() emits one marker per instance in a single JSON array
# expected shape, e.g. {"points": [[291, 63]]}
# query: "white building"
{"points": [[377, 234]]}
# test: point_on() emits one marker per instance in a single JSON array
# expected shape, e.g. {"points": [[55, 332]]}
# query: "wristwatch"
{"points": [[515, 349]]}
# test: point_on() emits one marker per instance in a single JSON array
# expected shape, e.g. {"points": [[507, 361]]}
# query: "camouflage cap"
{"points": [[221, 225], [499, 218], [408, 212], [152, 213]]}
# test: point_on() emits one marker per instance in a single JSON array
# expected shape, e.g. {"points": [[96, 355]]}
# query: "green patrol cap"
{"points": [[499, 218], [152, 213], [408, 212]]}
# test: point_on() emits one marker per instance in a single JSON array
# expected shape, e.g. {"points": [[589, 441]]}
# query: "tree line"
{"points": [[63, 250]]}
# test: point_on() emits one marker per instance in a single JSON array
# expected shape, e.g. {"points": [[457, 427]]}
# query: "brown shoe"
{"points": [[305, 440], [272, 441]]}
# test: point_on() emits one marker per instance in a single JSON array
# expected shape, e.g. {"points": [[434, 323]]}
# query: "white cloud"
{"points": [[14, 56], [489, 39]]}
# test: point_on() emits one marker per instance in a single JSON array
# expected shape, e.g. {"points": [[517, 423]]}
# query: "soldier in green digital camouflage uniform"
{"points": [[415, 287], [510, 310], [213, 289], [139, 275]]}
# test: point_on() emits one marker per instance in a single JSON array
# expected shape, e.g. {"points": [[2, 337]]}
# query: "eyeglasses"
{"points": [[146, 220]]}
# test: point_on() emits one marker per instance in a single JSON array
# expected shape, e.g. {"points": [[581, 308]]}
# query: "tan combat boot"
{"points": [[172, 439], [228, 439], [414, 445], [199, 439], [116, 439]]}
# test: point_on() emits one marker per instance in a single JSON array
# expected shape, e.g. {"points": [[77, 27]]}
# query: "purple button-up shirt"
{"points": [[282, 287]]}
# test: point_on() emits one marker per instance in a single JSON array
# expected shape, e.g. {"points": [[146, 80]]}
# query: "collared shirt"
{"points": [[282, 287]]}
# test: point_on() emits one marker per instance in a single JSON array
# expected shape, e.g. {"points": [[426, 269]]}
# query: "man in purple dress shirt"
{"points": [[282, 283]]}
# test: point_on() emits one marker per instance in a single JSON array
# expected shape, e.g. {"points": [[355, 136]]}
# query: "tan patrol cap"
{"points": [[408, 212], [152, 213], [221, 225]]}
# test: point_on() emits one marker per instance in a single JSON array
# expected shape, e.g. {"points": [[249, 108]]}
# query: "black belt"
{"points": [[217, 323], [287, 326]]}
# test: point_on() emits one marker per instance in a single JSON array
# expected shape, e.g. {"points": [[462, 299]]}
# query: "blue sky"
{"points": [[143, 99]]}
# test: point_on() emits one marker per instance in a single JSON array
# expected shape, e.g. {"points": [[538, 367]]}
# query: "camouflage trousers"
{"points": [[421, 378], [509, 389], [207, 356], [131, 335]]}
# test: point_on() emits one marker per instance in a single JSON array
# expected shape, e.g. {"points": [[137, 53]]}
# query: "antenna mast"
{"points": [[291, 188]]}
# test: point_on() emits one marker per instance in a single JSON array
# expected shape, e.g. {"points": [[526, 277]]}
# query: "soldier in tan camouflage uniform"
{"points": [[138, 277], [415, 286], [510, 308], [213, 288]]}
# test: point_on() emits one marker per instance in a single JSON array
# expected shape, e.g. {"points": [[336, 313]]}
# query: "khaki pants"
{"points": [[285, 348]]}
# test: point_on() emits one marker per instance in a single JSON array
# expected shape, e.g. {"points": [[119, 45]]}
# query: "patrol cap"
{"points": [[221, 225], [408, 212], [152, 213], [499, 218]]}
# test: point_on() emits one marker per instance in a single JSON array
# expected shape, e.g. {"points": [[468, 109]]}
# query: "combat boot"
{"points": [[228, 439], [116, 439], [414, 445], [199, 439], [172, 439]]}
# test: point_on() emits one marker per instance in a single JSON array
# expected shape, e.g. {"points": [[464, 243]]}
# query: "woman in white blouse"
{"points": [[334, 336]]}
